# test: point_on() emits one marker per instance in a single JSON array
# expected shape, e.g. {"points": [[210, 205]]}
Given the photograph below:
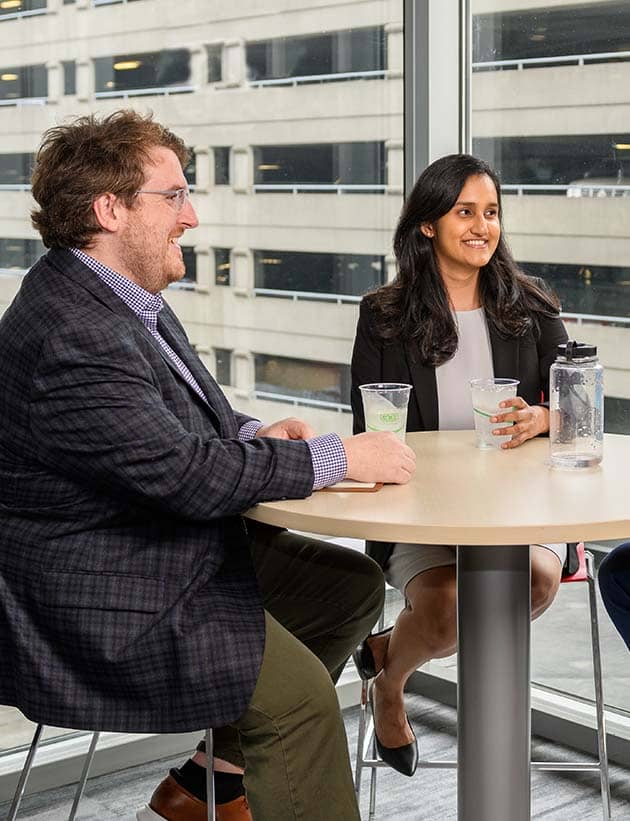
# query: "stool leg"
{"points": [[599, 691], [84, 775], [26, 771], [373, 781], [361, 738], [210, 775]]}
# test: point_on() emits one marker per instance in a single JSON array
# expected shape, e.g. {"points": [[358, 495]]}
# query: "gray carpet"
{"points": [[431, 794]]}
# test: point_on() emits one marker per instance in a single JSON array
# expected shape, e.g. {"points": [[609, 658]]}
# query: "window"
{"points": [[616, 415], [21, 8], [18, 255], [539, 33], [324, 166], [190, 172], [69, 77], [142, 54], [190, 262], [353, 52], [558, 138], [156, 70], [23, 82], [15, 170], [561, 164], [312, 382], [222, 165], [587, 289], [215, 63], [351, 274], [222, 266], [223, 365]]}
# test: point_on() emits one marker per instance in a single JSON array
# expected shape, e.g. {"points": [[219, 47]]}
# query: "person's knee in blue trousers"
{"points": [[614, 583]]}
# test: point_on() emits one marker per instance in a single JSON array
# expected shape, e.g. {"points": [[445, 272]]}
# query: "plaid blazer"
{"points": [[128, 601]]}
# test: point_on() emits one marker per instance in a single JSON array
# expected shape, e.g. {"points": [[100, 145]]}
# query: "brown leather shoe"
{"points": [[237, 810], [172, 802]]}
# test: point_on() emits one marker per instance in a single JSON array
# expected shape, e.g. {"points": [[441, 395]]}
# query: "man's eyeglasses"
{"points": [[177, 196]]}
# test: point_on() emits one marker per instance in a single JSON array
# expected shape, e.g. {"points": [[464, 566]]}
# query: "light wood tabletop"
{"points": [[463, 495]]}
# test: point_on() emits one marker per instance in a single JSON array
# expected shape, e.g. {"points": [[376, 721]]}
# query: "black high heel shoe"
{"points": [[403, 759], [364, 658]]}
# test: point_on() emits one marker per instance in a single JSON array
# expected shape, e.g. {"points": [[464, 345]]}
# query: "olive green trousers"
{"points": [[320, 601]]}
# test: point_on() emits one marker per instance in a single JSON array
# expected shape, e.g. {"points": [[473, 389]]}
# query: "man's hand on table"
{"points": [[379, 457], [290, 428], [529, 421]]}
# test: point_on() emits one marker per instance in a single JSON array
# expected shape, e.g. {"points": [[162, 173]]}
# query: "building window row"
{"points": [[338, 55], [319, 168]]}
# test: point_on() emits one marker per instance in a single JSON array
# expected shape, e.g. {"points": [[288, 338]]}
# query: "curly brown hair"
{"points": [[79, 161]]}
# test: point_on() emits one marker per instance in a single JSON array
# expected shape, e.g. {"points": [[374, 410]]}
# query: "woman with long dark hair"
{"points": [[459, 308]]}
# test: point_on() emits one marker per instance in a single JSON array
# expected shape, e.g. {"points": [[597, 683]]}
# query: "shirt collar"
{"points": [[143, 303]]}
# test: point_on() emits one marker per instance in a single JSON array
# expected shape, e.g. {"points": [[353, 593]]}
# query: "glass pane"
{"points": [[326, 165], [223, 366], [222, 266], [155, 70], [69, 77], [15, 169], [15, 8], [339, 130], [550, 97], [305, 379], [23, 82], [190, 261], [221, 165], [353, 52], [349, 274]]}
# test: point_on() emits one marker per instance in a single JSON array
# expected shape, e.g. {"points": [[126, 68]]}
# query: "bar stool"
{"points": [[366, 745], [28, 764]]}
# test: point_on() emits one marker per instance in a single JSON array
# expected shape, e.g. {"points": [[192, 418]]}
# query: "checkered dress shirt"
{"points": [[327, 452]]}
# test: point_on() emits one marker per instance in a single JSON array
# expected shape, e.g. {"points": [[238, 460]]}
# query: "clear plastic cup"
{"points": [[385, 406], [486, 395]]}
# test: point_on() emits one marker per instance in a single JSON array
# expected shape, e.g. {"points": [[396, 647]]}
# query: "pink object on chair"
{"points": [[581, 574]]}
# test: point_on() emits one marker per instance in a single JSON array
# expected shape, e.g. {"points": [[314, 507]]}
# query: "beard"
{"points": [[150, 258]]}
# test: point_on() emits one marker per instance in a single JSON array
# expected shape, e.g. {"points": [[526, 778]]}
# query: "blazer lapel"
{"points": [[424, 390], [505, 355], [169, 328]]}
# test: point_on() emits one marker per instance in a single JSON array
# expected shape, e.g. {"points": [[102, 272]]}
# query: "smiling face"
{"points": [[149, 244], [466, 237]]}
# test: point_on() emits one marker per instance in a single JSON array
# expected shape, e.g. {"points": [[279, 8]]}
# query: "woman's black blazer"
{"points": [[527, 358]]}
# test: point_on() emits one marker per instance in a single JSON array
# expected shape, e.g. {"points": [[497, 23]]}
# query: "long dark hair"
{"points": [[415, 306]]}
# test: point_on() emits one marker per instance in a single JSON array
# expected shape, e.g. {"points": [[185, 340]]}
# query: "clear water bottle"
{"points": [[576, 407]]}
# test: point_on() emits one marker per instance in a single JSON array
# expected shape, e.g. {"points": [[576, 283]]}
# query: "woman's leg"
{"points": [[425, 629], [546, 575]]}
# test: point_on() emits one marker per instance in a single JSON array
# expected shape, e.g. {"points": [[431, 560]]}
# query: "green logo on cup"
{"points": [[389, 418]]}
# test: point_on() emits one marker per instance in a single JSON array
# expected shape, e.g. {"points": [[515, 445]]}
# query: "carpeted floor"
{"points": [[429, 795]]}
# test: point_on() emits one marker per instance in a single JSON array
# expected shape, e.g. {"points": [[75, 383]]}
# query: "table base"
{"points": [[493, 611]]}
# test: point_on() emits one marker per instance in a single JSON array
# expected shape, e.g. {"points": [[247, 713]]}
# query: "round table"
{"points": [[492, 504]]}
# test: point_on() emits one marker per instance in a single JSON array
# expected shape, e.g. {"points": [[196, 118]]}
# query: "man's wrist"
{"points": [[249, 430], [329, 460]]}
